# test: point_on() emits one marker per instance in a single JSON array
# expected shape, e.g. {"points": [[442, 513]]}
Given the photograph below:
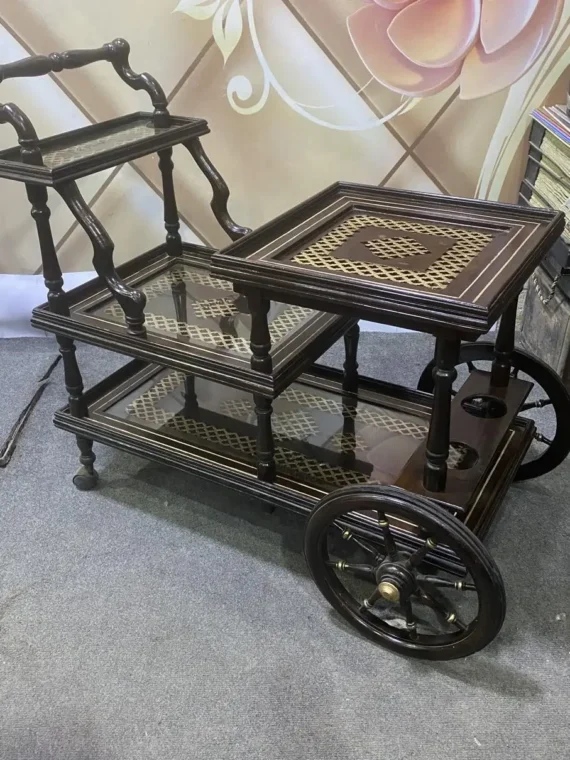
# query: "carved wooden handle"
{"points": [[37, 65], [116, 52]]}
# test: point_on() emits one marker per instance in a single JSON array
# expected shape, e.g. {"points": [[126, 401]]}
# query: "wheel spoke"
{"points": [[367, 604], [432, 598], [350, 567], [389, 543], [348, 535], [540, 404], [433, 580], [411, 621], [419, 555], [471, 366], [515, 372], [542, 439]]}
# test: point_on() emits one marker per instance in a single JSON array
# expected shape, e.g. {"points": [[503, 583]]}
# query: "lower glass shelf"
{"points": [[324, 438]]}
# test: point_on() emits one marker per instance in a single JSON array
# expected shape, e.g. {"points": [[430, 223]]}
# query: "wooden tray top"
{"points": [[410, 259]]}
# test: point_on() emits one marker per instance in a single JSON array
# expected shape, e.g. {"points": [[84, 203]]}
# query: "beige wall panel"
{"points": [[411, 176], [327, 21], [455, 147], [51, 111], [162, 42], [274, 158], [132, 214]]}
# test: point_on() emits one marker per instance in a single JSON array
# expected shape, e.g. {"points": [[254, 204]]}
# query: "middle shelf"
{"points": [[195, 323]]}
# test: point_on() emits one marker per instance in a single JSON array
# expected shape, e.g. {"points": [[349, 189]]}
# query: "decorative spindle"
{"points": [[437, 447], [171, 221], [265, 447], [260, 338]]}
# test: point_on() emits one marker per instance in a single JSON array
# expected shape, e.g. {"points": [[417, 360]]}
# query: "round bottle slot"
{"points": [[487, 407], [461, 456]]}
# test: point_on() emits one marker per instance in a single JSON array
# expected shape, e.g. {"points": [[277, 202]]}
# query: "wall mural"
{"points": [[430, 95]]}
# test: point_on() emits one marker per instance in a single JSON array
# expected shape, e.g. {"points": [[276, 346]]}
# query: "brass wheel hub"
{"points": [[389, 591], [395, 582]]}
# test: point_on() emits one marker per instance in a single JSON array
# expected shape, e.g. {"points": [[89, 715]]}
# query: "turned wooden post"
{"points": [[437, 447]]}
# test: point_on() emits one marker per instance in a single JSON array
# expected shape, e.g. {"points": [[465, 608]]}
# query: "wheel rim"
{"points": [[408, 609], [548, 451]]}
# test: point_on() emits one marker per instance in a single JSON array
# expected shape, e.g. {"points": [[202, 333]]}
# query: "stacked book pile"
{"points": [[547, 177], [546, 318]]}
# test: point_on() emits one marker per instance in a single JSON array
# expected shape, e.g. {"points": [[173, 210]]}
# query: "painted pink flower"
{"points": [[419, 47]]}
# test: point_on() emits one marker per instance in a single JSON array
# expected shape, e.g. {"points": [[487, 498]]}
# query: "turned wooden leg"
{"points": [[131, 301], [437, 447], [504, 346], [265, 446], [171, 221], [87, 477], [351, 338]]}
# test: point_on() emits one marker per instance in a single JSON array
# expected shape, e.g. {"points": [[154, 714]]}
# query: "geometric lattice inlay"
{"points": [[294, 424], [348, 442], [290, 424], [374, 417], [164, 283], [279, 328], [395, 248], [237, 408], [90, 147], [215, 307], [144, 407], [287, 321], [467, 244]]}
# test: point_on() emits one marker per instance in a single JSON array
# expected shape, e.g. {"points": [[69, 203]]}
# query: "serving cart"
{"points": [[399, 484]]}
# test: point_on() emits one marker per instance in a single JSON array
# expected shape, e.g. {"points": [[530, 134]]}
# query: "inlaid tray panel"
{"points": [[195, 322], [403, 258], [188, 304], [321, 438], [81, 151]]}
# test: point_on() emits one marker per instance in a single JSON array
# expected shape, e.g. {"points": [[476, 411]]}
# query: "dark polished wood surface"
{"points": [[89, 149], [195, 323], [142, 409], [411, 259]]}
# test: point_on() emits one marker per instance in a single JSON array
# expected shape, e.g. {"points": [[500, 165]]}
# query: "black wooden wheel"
{"points": [[549, 451], [384, 590]]}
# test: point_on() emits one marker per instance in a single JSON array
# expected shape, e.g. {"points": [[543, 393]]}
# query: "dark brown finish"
{"points": [[482, 262], [265, 448], [437, 446], [83, 151], [260, 341], [131, 301], [220, 190], [294, 487], [351, 338], [116, 52], [504, 346], [171, 221], [91, 320], [484, 435]]}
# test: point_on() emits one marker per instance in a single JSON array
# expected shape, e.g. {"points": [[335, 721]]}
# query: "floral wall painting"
{"points": [[425, 61], [426, 95]]}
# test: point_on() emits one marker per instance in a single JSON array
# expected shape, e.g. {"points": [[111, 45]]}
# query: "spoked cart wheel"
{"points": [[387, 591], [548, 451]]}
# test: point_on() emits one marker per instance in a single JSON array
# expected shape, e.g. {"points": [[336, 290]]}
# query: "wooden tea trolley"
{"points": [[399, 484]]}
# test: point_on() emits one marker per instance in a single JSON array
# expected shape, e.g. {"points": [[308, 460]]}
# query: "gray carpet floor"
{"points": [[165, 617]]}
